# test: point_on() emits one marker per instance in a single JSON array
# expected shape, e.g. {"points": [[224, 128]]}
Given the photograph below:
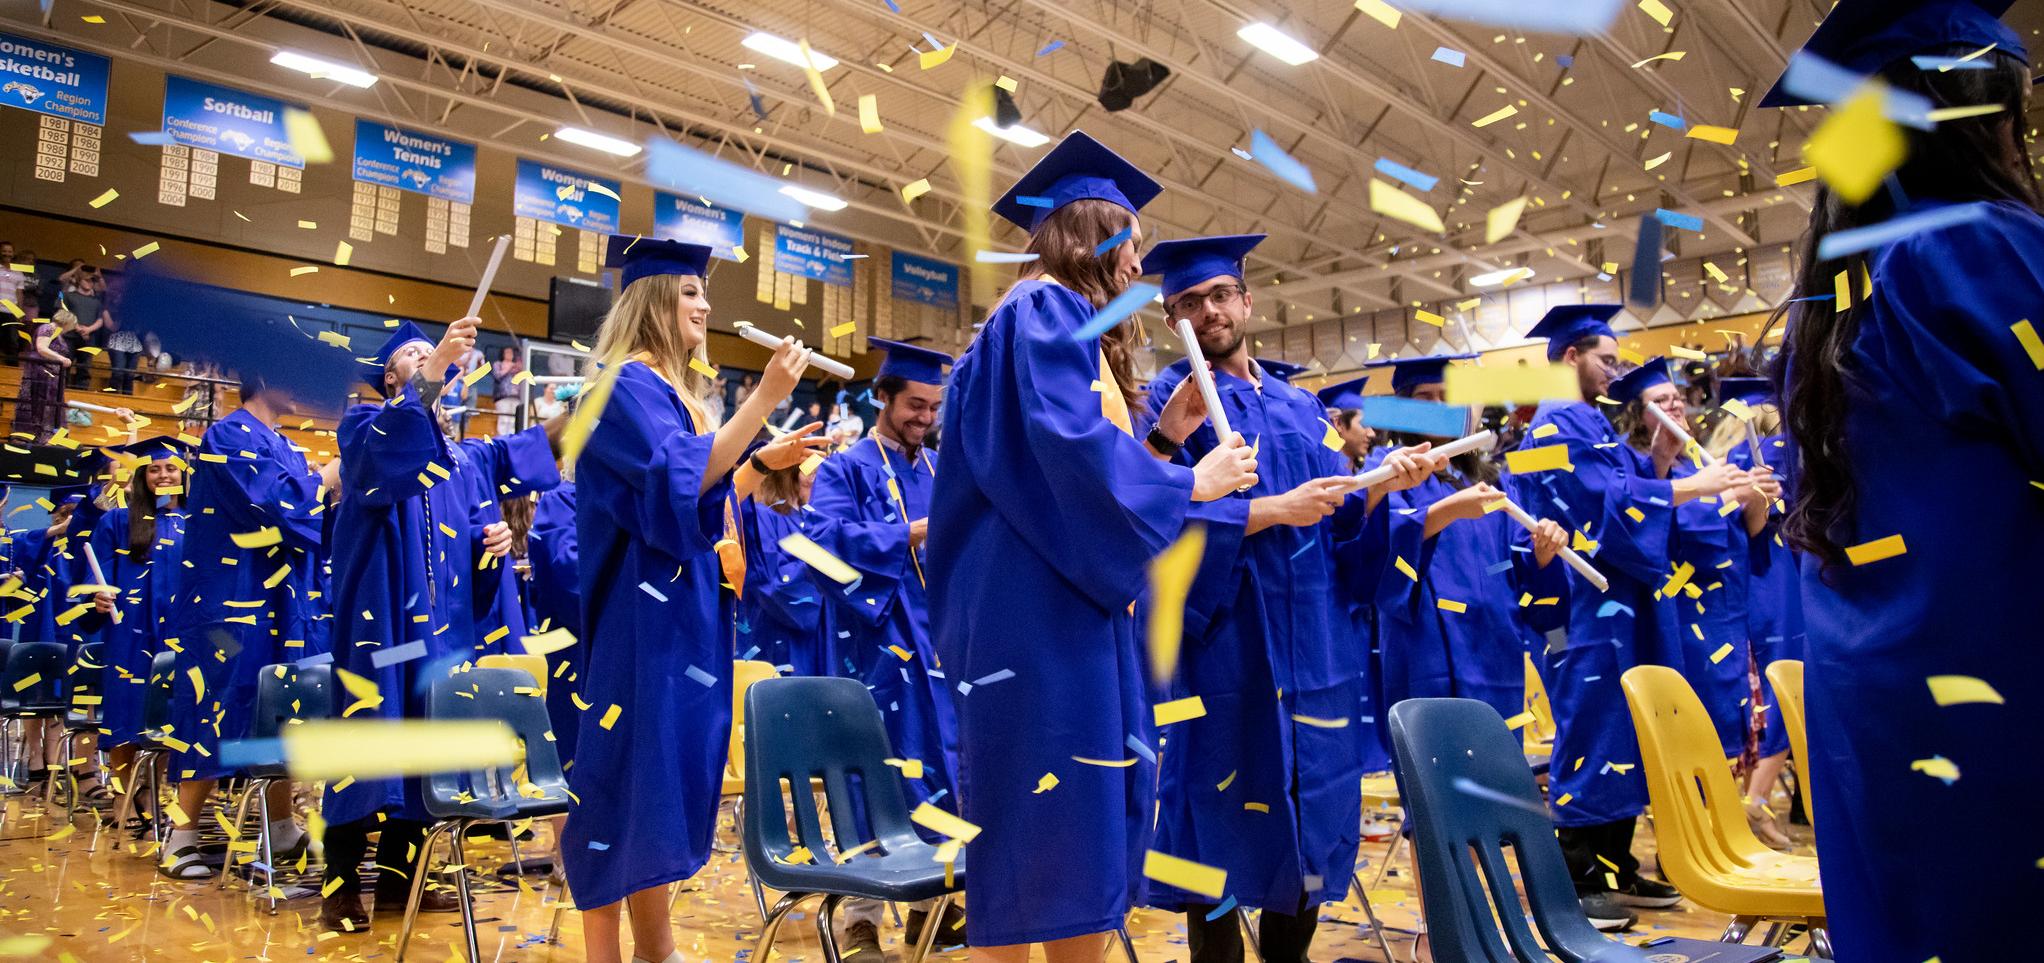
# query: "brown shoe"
{"points": [[342, 912], [436, 899], [950, 933], [861, 944]]}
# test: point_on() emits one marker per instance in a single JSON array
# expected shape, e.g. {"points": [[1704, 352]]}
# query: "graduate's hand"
{"points": [[1461, 506], [127, 416], [1302, 506], [918, 532], [1549, 538], [460, 336], [1184, 411], [1765, 488], [1227, 469], [1717, 478], [497, 539], [1409, 467], [792, 448], [103, 602], [783, 372], [330, 475]]}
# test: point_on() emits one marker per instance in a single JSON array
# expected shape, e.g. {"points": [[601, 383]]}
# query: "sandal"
{"points": [[188, 864], [91, 788]]}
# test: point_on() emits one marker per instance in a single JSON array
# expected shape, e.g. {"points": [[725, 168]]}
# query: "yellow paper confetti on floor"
{"points": [[1494, 116], [1503, 220], [937, 820], [1208, 881], [1525, 461], [1171, 575], [1509, 384], [1856, 146], [1952, 690], [1179, 710], [1394, 203], [2026, 335], [381, 749], [1716, 135], [1867, 553]]}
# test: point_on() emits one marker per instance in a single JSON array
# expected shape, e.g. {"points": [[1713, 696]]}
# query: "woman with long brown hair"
{"points": [[1917, 416], [1041, 526]]}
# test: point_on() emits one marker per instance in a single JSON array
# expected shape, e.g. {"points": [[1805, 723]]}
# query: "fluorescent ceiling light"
{"points": [[1277, 43], [596, 141], [1018, 135], [788, 51], [1505, 276], [323, 69], [816, 199]]}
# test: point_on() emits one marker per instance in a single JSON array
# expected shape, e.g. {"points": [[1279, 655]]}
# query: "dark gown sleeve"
{"points": [[1605, 498], [775, 579], [263, 491], [641, 437], [512, 465], [1530, 578], [877, 548], [1045, 455]]}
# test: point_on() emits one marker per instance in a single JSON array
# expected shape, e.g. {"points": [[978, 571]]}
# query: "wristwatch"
{"points": [[1161, 443], [757, 465]]}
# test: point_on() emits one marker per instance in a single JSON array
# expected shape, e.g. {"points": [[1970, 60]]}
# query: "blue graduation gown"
{"points": [[1613, 500], [1710, 610], [402, 558], [1945, 440], [780, 614], [554, 593], [147, 588], [43, 585], [656, 646], [1774, 595], [1040, 530], [498, 593], [1270, 653], [1486, 565], [872, 493], [250, 604]]}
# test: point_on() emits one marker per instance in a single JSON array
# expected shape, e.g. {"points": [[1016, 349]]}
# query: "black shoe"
{"points": [[1648, 894], [342, 912], [435, 899], [951, 933], [1605, 913], [861, 944]]}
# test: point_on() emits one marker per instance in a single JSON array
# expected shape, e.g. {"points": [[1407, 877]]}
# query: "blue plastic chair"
{"points": [[152, 752], [798, 729], [85, 679], [463, 798], [41, 666], [285, 694], [1469, 792]]}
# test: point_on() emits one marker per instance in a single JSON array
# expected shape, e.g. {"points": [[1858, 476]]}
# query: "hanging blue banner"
{"points": [[686, 219], [565, 197], [924, 281], [49, 79], [813, 254], [199, 114], [411, 161]]}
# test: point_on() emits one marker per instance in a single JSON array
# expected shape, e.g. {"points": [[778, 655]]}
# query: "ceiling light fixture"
{"points": [[596, 141], [816, 199], [787, 51], [1015, 134], [1277, 43], [323, 69]]}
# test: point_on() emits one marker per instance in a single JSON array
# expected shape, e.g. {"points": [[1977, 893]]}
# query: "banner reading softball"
{"points": [[565, 197], [199, 114]]}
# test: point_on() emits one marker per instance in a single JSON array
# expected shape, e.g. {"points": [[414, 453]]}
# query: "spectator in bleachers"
{"points": [[39, 409], [124, 348], [505, 368], [84, 297], [17, 288]]}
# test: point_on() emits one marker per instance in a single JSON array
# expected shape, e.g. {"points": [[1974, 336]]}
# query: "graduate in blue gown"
{"points": [[780, 611], [405, 544], [656, 653], [1498, 582], [1041, 526], [1917, 437], [1263, 784], [553, 591], [1609, 500], [1344, 404]]}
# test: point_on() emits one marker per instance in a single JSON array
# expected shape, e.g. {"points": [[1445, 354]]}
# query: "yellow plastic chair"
{"points": [[1538, 734], [743, 675], [532, 665], [1707, 849], [1786, 676]]}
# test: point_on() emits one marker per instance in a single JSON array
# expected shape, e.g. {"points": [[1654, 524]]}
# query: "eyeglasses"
{"points": [[1216, 298]]}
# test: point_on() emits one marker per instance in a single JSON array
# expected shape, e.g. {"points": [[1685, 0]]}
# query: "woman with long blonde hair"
{"points": [[652, 481]]}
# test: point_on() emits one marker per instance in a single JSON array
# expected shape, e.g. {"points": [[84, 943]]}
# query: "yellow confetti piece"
{"points": [[1943, 114], [1380, 11], [915, 189], [1658, 161], [1680, 577], [610, 715], [1719, 655], [2026, 335], [469, 380], [1404, 568], [1398, 205], [1674, 55], [302, 271], [869, 113], [1208, 881], [701, 367], [145, 250], [817, 557], [382, 749], [1937, 767], [1331, 438], [1687, 354], [1450, 605], [1867, 553], [1563, 800], [1526, 461], [343, 253], [932, 59], [105, 198], [1657, 10], [25, 682], [1952, 690], [1430, 318], [260, 538], [1319, 722], [31, 944], [1547, 430], [1256, 807], [1794, 177], [844, 329], [910, 768], [1502, 221], [1047, 783], [334, 338], [1106, 763], [303, 131], [1519, 721], [1716, 273], [1715, 135], [1856, 147], [1179, 710], [548, 642], [937, 820], [10, 307], [1171, 575], [1509, 384], [1494, 116], [1841, 286]]}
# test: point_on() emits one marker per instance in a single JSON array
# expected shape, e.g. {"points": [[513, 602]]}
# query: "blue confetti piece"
{"points": [[1608, 609], [1273, 158], [1051, 47], [1113, 242], [934, 43], [244, 753], [647, 587], [1124, 304], [1500, 568], [939, 794], [705, 679], [383, 658], [891, 5], [324, 658], [1136, 746], [1032, 200], [1393, 413], [1399, 172], [749, 653], [1948, 63], [1453, 58], [1572, 17], [721, 182], [964, 689], [1820, 81], [1227, 906], [1666, 119], [1894, 229], [599, 847], [152, 138], [1470, 787], [1678, 220], [1645, 290], [1565, 61], [1001, 676]]}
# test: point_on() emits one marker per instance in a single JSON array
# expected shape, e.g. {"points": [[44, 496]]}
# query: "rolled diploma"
{"points": [[753, 334], [1575, 561], [475, 305], [1680, 432], [1204, 377], [1459, 446], [98, 576]]}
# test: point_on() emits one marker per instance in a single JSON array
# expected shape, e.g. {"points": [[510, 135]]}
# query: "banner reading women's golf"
{"points": [[813, 254], [416, 162], [561, 196], [208, 116], [686, 219], [50, 79], [924, 281]]}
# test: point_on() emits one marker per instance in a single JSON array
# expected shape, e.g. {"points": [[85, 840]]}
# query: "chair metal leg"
{"points": [[240, 825], [559, 880], [266, 844], [763, 949], [1390, 853], [932, 922], [1128, 946], [1774, 932], [1249, 934], [418, 888], [1736, 931], [758, 896], [468, 910], [1370, 912], [1820, 942], [826, 933]]}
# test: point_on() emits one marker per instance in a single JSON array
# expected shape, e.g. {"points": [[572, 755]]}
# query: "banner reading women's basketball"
{"points": [[54, 80]]}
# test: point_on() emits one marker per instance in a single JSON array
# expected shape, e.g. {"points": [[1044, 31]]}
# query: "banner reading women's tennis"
{"points": [[51, 79], [561, 196], [208, 116], [411, 161]]}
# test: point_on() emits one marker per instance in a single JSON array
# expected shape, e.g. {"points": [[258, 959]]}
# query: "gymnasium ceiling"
{"points": [[1581, 146]]}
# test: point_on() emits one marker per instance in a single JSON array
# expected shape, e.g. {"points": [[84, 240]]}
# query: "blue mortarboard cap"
{"points": [[910, 361], [158, 447], [1634, 382], [1347, 395], [1408, 373], [1196, 260], [1283, 371], [1864, 36], [263, 347], [1566, 324], [66, 494], [1752, 391], [645, 257], [1078, 168], [405, 333]]}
